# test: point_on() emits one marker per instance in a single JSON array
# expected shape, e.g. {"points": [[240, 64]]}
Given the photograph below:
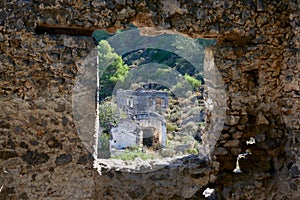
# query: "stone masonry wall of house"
{"points": [[257, 54]]}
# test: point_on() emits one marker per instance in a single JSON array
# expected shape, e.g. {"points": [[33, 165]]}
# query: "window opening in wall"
{"points": [[152, 98], [131, 102]]}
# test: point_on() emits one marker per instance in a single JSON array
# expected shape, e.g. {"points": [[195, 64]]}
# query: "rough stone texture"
{"points": [[180, 180], [257, 54]]}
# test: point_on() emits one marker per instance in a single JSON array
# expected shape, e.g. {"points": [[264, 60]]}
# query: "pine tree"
{"points": [[112, 69]]}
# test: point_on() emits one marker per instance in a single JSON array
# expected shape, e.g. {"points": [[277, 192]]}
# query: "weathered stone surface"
{"points": [[261, 120], [83, 160], [4, 155], [220, 151], [257, 54], [63, 159], [35, 158], [53, 143], [232, 143], [232, 120]]}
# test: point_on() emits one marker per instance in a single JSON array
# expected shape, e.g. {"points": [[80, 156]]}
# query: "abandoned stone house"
{"points": [[144, 123]]}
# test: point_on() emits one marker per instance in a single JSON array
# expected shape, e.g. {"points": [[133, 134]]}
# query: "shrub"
{"points": [[193, 151], [195, 83], [109, 114], [131, 155], [171, 127]]}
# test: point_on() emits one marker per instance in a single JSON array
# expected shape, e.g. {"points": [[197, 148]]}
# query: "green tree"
{"points": [[195, 83], [109, 115], [112, 69]]}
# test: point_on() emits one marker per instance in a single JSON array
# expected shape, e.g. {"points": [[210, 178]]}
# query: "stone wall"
{"points": [[257, 53]]}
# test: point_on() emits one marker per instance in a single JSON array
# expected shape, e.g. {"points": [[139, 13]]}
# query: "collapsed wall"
{"points": [[257, 53]]}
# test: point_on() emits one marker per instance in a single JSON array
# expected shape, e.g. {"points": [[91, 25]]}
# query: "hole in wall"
{"points": [[152, 100]]}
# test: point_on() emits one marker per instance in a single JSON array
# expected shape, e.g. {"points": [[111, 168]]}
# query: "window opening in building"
{"points": [[152, 100]]}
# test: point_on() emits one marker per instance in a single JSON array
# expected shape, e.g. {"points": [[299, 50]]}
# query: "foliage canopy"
{"points": [[112, 69]]}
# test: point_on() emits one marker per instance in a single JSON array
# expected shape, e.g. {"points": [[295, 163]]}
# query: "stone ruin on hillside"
{"points": [[144, 123]]}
